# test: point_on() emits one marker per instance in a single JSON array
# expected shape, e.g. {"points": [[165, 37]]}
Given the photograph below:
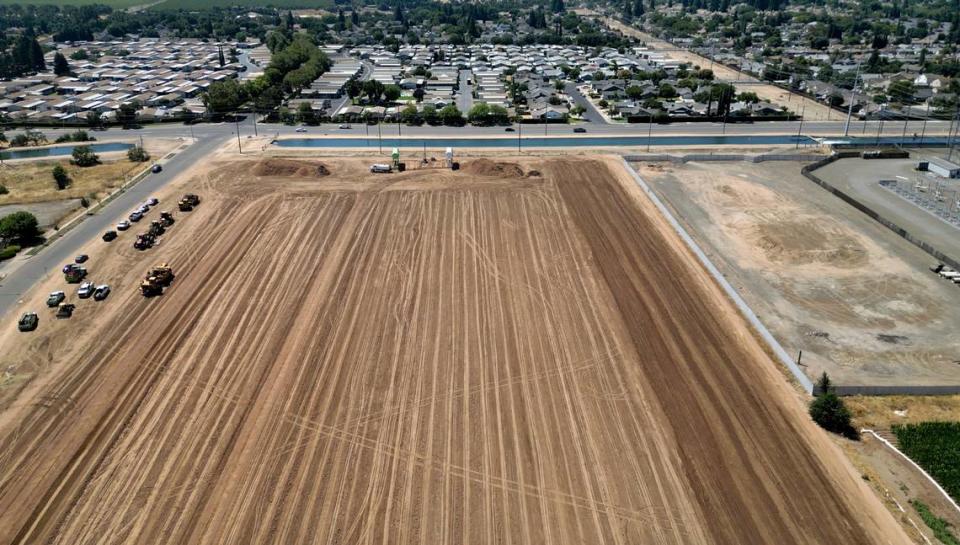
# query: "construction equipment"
{"points": [[166, 218], [163, 273], [156, 279], [144, 241], [28, 322], [65, 310], [188, 201], [381, 168], [74, 273], [156, 228]]}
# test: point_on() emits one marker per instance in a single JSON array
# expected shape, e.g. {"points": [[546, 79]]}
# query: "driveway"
{"points": [[591, 115]]}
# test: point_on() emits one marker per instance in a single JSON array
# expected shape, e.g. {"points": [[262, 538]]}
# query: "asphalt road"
{"points": [[465, 92], [591, 114], [20, 276]]}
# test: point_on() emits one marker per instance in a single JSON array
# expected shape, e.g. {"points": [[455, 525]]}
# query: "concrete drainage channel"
{"points": [[745, 309]]}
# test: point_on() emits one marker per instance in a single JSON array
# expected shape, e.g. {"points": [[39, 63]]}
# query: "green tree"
{"points": [[19, 227], [634, 92], [60, 66], [83, 156], [830, 412], [60, 177], [224, 96], [902, 91], [127, 114], [137, 154], [305, 113], [430, 114], [667, 91], [391, 93], [374, 90], [93, 118], [410, 115], [450, 115], [418, 94], [479, 114]]}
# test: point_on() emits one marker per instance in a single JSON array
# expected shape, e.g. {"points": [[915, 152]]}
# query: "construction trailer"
{"points": [[942, 167]]}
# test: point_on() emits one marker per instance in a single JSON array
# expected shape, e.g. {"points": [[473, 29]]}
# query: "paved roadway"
{"points": [[591, 114], [465, 92], [22, 274]]}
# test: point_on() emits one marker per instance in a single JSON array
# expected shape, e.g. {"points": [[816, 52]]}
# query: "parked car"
{"points": [[55, 298], [156, 168], [136, 215], [579, 129], [82, 258], [153, 201], [85, 290], [101, 292], [28, 322], [109, 235], [123, 225], [345, 126]]}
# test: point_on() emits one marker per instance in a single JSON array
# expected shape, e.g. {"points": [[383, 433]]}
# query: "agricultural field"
{"points": [[520, 351], [936, 447]]}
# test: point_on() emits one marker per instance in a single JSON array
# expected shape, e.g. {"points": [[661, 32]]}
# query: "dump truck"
{"points": [[166, 218], [28, 322], [150, 287], [65, 310], [74, 274], [188, 201], [144, 241]]}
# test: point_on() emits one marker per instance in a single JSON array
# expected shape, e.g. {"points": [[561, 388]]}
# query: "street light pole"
{"points": [[519, 132], [853, 98], [803, 109], [379, 137], [923, 129], [649, 129]]}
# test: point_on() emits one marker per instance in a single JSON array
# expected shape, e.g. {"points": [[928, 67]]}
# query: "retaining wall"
{"points": [[722, 157]]}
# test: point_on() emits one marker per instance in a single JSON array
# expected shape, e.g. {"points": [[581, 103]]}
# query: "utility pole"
{"points": [[379, 137], [953, 131], [255, 122], [649, 129], [803, 109], [880, 127], [367, 127], [236, 121], [519, 132], [853, 98], [923, 129]]}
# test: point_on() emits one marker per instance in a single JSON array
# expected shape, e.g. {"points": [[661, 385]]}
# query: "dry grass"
{"points": [[878, 411], [32, 182]]}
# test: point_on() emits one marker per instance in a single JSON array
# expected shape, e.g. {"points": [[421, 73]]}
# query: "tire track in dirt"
{"points": [[447, 361]]}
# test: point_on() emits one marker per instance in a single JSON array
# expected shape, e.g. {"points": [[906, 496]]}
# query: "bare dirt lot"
{"points": [[426, 357], [825, 279]]}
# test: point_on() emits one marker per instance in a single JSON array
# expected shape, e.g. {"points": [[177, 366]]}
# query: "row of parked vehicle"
{"points": [[946, 272], [76, 272], [73, 273]]}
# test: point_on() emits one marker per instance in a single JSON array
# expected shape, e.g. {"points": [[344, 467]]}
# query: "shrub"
{"points": [[9, 251], [940, 527], [137, 154], [60, 177], [830, 412], [83, 156], [3, 190]]}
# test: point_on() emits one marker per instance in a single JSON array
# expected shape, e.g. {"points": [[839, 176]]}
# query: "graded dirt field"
{"points": [[426, 357], [826, 279]]}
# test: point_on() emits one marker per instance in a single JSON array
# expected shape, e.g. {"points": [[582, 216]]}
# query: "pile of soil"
{"points": [[486, 167], [290, 168]]}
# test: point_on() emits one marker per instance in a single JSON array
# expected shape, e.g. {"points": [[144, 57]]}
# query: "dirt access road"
{"points": [[487, 356], [812, 110]]}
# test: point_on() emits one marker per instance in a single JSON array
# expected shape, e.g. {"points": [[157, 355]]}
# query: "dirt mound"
{"points": [[486, 167], [291, 168], [803, 242], [534, 174]]}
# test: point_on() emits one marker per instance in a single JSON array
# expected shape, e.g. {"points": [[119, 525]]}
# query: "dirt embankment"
{"points": [[498, 169]]}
